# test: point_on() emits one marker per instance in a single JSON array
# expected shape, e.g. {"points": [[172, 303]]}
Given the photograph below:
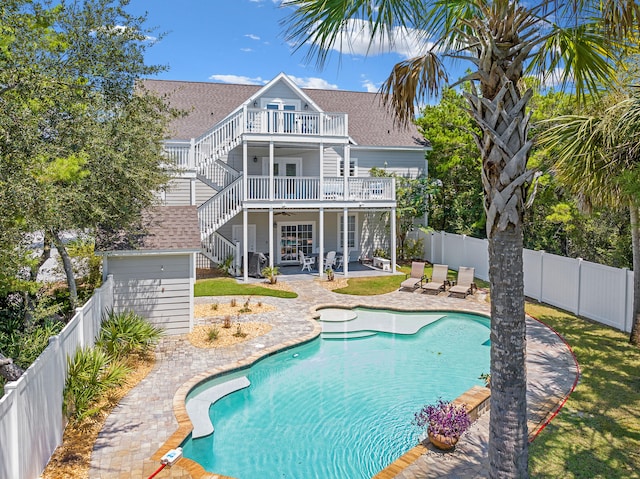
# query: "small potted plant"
{"points": [[445, 423], [330, 274], [271, 274]]}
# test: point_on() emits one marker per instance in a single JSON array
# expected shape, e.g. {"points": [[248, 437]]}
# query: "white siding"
{"points": [[203, 192], [402, 163], [157, 287], [178, 192], [280, 90]]}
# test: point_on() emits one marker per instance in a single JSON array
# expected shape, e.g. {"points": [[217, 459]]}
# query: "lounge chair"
{"points": [[415, 278], [438, 281], [464, 284], [330, 260]]}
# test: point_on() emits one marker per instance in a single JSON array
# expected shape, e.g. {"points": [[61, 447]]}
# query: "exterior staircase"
{"points": [[209, 149]]}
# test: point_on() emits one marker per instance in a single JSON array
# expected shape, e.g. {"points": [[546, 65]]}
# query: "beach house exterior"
{"points": [[285, 171]]}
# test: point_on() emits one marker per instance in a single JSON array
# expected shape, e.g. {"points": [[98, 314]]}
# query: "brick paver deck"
{"points": [[145, 419]]}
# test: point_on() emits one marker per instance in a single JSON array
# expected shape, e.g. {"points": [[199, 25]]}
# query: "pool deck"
{"points": [[128, 445]]}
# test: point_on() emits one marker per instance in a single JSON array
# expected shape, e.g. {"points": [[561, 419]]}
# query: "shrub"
{"points": [[127, 333], [239, 332], [444, 418], [227, 322], [212, 333], [91, 374]]}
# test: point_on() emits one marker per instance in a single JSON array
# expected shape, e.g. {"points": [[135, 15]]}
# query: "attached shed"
{"points": [[154, 270]]}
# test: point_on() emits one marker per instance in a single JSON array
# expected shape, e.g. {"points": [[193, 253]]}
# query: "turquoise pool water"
{"points": [[341, 408]]}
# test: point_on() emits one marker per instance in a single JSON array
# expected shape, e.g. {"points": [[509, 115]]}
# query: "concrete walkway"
{"points": [[145, 419]]}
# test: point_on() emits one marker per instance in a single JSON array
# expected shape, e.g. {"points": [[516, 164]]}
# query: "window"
{"points": [[295, 237], [351, 231], [353, 167]]}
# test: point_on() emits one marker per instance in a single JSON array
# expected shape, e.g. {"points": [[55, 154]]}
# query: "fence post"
{"points": [[80, 312], [11, 388], [541, 293], [627, 313], [579, 285]]}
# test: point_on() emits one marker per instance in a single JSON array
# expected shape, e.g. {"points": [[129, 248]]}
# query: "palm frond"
{"points": [[411, 81]]}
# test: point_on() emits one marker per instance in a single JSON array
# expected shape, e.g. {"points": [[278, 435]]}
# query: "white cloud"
{"points": [[370, 86], [246, 49], [312, 82], [238, 79], [356, 39], [252, 36]]}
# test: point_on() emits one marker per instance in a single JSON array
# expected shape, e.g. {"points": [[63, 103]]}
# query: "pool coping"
{"points": [[552, 404]]}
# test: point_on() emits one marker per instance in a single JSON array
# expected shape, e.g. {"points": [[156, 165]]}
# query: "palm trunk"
{"points": [[505, 148], [508, 454], [68, 268], [634, 214]]}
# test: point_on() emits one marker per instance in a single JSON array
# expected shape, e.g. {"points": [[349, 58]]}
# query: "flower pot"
{"points": [[444, 443]]}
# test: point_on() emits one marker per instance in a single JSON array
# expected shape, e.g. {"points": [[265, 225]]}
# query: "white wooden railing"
{"points": [[308, 188], [179, 153], [220, 140], [297, 122], [220, 208], [217, 248], [217, 174]]}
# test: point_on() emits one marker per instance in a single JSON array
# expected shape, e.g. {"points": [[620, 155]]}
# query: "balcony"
{"points": [[316, 189], [290, 122]]}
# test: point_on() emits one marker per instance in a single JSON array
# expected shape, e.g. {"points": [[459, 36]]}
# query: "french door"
{"points": [[293, 238]]}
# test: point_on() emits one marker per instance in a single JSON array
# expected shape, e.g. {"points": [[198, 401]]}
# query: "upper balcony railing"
{"points": [[179, 153], [296, 122], [309, 188]]}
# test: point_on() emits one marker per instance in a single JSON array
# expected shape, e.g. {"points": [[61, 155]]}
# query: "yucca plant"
{"points": [[91, 373], [127, 333]]}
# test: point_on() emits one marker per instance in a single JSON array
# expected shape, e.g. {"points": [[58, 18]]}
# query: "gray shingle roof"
{"points": [[163, 228], [208, 103]]}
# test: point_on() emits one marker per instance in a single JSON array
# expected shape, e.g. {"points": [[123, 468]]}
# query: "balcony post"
{"points": [[271, 180], [393, 239], [245, 191], [192, 153], [321, 181]]}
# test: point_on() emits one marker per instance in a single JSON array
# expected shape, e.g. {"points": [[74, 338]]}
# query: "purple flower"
{"points": [[443, 418]]}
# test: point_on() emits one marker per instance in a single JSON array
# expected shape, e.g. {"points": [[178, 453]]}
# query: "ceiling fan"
{"points": [[283, 213]]}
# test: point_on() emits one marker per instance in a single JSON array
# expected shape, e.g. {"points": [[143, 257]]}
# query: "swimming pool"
{"points": [[341, 406]]}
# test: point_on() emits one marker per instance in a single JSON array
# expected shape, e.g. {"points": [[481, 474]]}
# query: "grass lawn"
{"points": [[597, 433], [230, 287]]}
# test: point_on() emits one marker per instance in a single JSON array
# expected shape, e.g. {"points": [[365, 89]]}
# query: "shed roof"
{"points": [[162, 228], [208, 103]]}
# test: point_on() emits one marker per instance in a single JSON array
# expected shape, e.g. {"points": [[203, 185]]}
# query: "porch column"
{"points": [[346, 169], [321, 242], [271, 185], [271, 248], [393, 239], [321, 183], [244, 170], [345, 241], [245, 242]]}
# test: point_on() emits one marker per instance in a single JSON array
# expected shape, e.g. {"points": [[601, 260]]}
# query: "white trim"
{"points": [[280, 224], [356, 235], [156, 252], [392, 148]]}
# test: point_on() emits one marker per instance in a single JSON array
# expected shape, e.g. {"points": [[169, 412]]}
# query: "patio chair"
{"points": [[330, 260], [464, 284], [306, 261], [415, 278], [438, 281]]}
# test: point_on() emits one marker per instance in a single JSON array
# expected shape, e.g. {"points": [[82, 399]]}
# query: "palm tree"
{"points": [[598, 157], [500, 39]]}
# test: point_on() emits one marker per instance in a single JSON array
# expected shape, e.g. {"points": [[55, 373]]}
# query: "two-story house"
{"points": [[282, 170]]}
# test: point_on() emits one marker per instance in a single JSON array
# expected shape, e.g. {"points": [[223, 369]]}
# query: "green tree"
{"points": [[410, 197], [598, 158], [454, 162], [500, 39], [85, 143]]}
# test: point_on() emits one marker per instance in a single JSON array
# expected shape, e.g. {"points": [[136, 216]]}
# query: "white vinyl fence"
{"points": [[591, 290], [31, 421]]}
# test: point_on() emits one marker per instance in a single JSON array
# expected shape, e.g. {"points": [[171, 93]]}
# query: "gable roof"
{"points": [[208, 103], [163, 228]]}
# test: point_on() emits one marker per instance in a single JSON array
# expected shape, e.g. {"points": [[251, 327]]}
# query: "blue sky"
{"points": [[242, 41]]}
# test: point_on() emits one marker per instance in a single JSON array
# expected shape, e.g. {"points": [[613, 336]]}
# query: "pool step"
{"points": [[198, 406], [348, 335]]}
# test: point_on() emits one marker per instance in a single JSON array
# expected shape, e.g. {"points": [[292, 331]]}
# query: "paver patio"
{"points": [[144, 419]]}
